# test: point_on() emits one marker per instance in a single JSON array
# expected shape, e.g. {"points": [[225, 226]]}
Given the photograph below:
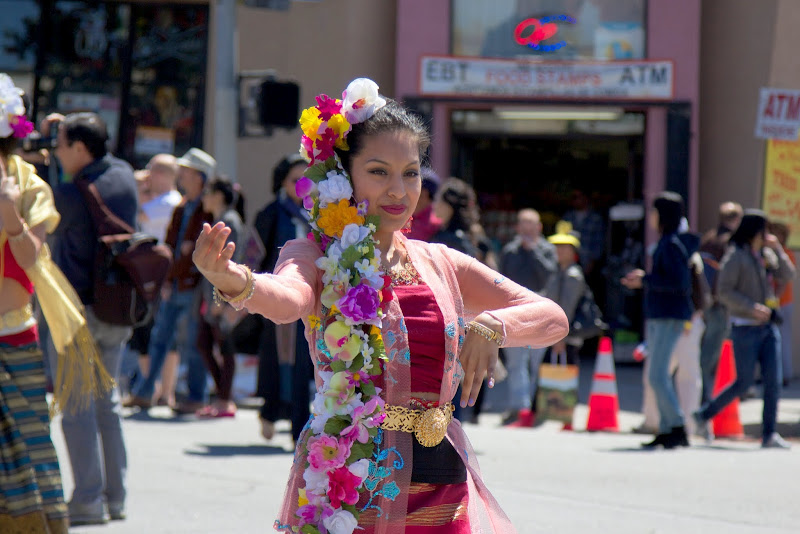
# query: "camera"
{"points": [[36, 141]]}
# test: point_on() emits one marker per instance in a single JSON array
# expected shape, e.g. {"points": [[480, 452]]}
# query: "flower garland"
{"points": [[347, 410], [12, 110]]}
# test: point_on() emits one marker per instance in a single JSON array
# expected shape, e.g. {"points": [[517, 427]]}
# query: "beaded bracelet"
{"points": [[241, 298], [16, 238], [486, 332]]}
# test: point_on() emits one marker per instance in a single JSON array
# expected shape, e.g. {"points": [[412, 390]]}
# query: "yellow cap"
{"points": [[564, 235]]}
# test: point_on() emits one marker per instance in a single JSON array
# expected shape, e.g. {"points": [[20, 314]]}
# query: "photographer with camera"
{"points": [[748, 270]]}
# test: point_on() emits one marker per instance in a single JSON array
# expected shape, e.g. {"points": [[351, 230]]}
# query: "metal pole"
{"points": [[226, 103]]}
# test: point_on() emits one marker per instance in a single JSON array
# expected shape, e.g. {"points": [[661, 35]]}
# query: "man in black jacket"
{"points": [[99, 470]]}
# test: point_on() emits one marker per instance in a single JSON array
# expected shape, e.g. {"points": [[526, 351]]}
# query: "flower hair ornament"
{"points": [[12, 110], [347, 410]]}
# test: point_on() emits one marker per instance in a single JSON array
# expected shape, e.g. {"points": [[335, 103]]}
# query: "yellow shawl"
{"points": [[80, 373]]}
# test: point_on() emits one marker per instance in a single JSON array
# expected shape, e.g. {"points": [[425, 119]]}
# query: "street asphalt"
{"points": [[219, 476]]}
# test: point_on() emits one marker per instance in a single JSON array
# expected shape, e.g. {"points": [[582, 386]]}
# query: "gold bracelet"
{"points": [[16, 238], [486, 332], [247, 292]]}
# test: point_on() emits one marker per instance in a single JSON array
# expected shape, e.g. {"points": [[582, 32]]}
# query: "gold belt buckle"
{"points": [[14, 318], [430, 428]]}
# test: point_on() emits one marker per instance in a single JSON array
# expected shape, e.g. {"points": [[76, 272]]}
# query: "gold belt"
{"points": [[429, 426], [14, 318]]}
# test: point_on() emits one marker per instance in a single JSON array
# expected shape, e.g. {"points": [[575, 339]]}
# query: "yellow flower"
{"points": [[302, 500], [314, 322], [310, 123], [374, 331], [334, 217], [340, 126]]}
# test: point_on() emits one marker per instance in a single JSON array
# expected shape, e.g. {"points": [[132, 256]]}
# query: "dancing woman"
{"points": [[394, 325]]}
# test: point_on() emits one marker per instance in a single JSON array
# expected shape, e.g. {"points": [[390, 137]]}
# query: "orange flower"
{"points": [[334, 217]]}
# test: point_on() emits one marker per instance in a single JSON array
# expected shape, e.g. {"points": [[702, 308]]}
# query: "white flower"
{"points": [[316, 481], [353, 234], [321, 415], [361, 100], [369, 273], [337, 187], [360, 469], [11, 104], [341, 522]]}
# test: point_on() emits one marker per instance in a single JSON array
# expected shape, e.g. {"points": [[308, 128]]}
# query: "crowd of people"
{"points": [[299, 303]]}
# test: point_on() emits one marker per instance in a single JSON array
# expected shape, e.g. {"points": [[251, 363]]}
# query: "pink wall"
{"points": [[673, 33]]}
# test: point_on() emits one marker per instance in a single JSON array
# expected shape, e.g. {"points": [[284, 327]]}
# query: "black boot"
{"points": [[678, 437], [663, 440]]}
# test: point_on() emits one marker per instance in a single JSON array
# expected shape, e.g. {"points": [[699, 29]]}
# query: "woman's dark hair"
{"points": [[283, 168], [754, 222], [224, 185], [669, 206], [390, 118], [89, 129], [460, 196]]}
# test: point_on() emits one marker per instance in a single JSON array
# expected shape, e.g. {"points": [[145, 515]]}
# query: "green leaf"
{"points": [[316, 173], [309, 529], [335, 425], [355, 280], [357, 363], [368, 388], [360, 450], [351, 508], [337, 366], [349, 257], [374, 219]]}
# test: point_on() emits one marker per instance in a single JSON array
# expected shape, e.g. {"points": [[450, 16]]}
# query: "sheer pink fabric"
{"points": [[463, 287]]}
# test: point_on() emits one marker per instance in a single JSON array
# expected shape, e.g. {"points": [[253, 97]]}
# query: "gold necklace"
{"points": [[402, 274]]}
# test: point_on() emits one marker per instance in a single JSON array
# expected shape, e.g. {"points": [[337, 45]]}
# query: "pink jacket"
{"points": [[464, 288]]}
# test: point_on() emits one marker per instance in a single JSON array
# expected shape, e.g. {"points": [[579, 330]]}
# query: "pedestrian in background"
{"points": [[785, 294], [745, 286], [425, 224], [93, 435], [668, 305], [180, 295], [529, 260], [712, 248], [684, 363], [155, 213], [284, 363], [217, 319]]}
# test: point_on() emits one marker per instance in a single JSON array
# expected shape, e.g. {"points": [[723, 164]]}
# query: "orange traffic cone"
{"points": [[727, 423], [603, 400]]}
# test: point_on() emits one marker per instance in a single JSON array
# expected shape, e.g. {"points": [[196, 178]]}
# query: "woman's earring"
{"points": [[407, 227]]}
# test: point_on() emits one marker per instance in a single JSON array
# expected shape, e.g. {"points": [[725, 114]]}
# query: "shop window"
{"points": [[18, 41], [549, 29]]}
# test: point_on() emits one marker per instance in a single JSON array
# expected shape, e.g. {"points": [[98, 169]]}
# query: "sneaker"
{"points": [[94, 513], [267, 428], [775, 441], [525, 420], [116, 511], [135, 401], [703, 427]]}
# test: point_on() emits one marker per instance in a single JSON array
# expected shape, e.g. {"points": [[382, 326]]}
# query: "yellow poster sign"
{"points": [[782, 186]]}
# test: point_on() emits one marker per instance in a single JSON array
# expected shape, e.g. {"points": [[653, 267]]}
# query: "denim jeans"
{"points": [[751, 345], [662, 335], [786, 341], [522, 364], [162, 337], [717, 329], [94, 435]]}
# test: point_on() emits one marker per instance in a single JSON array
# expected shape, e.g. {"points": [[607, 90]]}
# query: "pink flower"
{"points": [[325, 144], [360, 304], [327, 452], [357, 378], [363, 419], [307, 146], [328, 107], [343, 486], [304, 187], [22, 126]]}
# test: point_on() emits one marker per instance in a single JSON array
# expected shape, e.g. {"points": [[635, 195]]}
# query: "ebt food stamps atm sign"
{"points": [[621, 80]]}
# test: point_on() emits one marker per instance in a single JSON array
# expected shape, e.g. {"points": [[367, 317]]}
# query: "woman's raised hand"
{"points": [[212, 256], [478, 359]]}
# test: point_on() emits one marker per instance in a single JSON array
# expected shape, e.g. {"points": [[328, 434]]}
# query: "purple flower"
{"points": [[360, 303], [304, 187], [308, 202], [361, 207]]}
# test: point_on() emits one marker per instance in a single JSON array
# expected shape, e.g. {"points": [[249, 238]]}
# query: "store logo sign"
{"points": [[538, 30]]}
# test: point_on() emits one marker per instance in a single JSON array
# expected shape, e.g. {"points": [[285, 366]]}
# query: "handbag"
{"points": [[588, 320], [557, 393]]}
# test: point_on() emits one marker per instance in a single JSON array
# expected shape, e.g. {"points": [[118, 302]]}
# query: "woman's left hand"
{"points": [[9, 190], [479, 360]]}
